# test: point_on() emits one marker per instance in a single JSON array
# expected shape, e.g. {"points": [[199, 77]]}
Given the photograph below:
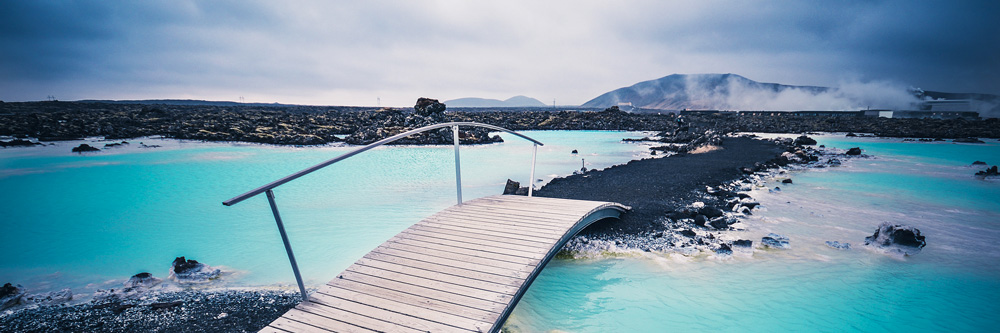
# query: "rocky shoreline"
{"points": [[317, 125]]}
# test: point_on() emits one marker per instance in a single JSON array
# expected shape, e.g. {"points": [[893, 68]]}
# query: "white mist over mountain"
{"points": [[734, 92]]}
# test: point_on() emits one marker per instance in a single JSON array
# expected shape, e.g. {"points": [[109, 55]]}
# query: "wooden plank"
{"points": [[499, 230], [473, 235], [272, 329], [342, 286], [541, 211], [340, 321], [487, 267], [426, 291], [334, 296], [285, 324], [388, 321], [496, 219], [485, 262], [537, 247], [532, 253], [476, 253], [511, 224], [441, 284], [535, 199], [464, 272], [493, 216], [438, 275]]}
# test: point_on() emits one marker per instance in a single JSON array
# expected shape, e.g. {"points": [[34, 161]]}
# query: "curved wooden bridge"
{"points": [[460, 270]]}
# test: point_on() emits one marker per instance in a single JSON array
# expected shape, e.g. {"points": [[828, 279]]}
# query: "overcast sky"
{"points": [[354, 52]]}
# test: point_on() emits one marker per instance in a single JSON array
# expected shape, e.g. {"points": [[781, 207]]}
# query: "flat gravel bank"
{"points": [[654, 187]]}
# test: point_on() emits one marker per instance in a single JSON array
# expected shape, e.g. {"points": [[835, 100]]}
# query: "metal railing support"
{"points": [[288, 246], [531, 179], [458, 165]]}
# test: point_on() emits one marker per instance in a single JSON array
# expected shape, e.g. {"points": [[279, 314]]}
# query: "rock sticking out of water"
{"points": [[776, 241], [84, 148], [10, 296], [991, 172], [514, 188], [898, 238], [142, 280], [192, 271], [838, 245], [854, 151], [805, 141]]}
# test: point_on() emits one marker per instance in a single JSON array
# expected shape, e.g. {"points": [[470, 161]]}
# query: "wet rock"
{"points": [[18, 143], [574, 152], [774, 240], [968, 140], [838, 245], [192, 271], [710, 211], [805, 141], [511, 187], [743, 243], [978, 163], [991, 172], [851, 134], [84, 148], [833, 161], [428, 107], [786, 181], [854, 151], [700, 220], [897, 238], [142, 280], [51, 298], [688, 233], [11, 296], [719, 223], [724, 249]]}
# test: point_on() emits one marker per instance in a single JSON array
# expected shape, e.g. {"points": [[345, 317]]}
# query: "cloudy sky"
{"points": [[356, 52]]}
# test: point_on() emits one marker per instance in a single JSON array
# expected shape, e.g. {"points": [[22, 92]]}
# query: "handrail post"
{"points": [[531, 179], [288, 246], [458, 165]]}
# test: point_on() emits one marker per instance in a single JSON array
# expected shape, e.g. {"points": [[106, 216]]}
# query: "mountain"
{"points": [[475, 102], [694, 91]]}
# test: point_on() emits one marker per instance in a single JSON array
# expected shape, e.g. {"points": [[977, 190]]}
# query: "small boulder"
{"points": [[775, 241], [142, 280], [11, 296], [719, 223], [804, 141], [511, 187], [700, 220], [838, 245], [899, 238], [710, 211], [192, 271], [574, 152], [84, 148], [854, 151], [688, 233], [978, 163], [428, 106], [786, 181], [851, 134], [989, 172], [724, 249], [743, 243]]}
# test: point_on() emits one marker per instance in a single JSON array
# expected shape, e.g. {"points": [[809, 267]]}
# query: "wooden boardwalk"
{"points": [[460, 270]]}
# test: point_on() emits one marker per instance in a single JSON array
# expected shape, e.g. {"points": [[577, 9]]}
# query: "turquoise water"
{"points": [[951, 286], [89, 221]]}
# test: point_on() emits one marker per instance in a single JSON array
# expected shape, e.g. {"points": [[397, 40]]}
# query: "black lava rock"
{"points": [[978, 163], [428, 106], [786, 181], [988, 172], [854, 151], [710, 211], [805, 141], [84, 148], [904, 239], [743, 243], [724, 249], [688, 233]]}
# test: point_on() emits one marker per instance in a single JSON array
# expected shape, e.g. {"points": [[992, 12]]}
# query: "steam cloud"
{"points": [[740, 94]]}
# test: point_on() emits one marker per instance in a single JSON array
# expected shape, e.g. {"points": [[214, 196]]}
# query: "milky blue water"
{"points": [[91, 220], [75, 220], [952, 285]]}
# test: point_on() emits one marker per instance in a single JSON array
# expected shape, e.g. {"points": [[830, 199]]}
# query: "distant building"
{"points": [[920, 114]]}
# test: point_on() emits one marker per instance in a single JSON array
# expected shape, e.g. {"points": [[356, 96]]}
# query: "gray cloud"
{"points": [[343, 52]]}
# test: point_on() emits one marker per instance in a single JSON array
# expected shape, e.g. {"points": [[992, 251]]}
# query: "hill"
{"points": [[694, 91], [475, 102]]}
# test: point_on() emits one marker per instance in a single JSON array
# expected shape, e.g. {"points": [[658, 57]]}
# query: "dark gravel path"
{"points": [[654, 187]]}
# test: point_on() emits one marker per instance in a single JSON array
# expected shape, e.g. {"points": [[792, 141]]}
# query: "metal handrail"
{"points": [[267, 188], [396, 137]]}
